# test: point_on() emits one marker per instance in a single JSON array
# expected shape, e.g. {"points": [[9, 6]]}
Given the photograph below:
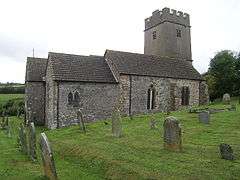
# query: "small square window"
{"points": [[154, 34], [179, 33]]}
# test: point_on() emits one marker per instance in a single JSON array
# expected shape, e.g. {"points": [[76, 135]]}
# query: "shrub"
{"points": [[13, 107]]}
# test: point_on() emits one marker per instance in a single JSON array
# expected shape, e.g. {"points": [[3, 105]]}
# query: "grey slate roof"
{"points": [[36, 69], [150, 65], [69, 67]]}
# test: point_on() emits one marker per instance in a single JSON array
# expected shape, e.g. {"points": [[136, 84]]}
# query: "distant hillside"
{"points": [[12, 88]]}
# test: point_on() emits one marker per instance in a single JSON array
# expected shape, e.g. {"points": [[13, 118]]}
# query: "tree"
{"points": [[223, 74]]}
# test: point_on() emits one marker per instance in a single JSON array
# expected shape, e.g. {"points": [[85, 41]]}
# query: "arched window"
{"points": [[70, 98], [185, 95], [151, 94], [76, 99]]}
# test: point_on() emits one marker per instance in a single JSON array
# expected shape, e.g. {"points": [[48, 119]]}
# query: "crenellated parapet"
{"points": [[167, 15]]}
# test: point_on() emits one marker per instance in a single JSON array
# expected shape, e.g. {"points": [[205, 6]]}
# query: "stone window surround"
{"points": [[151, 96], [73, 98]]}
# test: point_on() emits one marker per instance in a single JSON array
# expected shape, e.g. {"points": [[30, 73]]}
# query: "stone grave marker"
{"points": [[226, 98], [116, 123], [47, 158], [23, 139], [204, 117], [81, 121], [32, 142], [172, 134], [153, 124], [232, 107], [226, 152], [3, 121], [8, 128]]}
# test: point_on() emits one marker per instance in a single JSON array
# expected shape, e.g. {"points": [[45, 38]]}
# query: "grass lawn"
{"points": [[5, 97], [139, 154]]}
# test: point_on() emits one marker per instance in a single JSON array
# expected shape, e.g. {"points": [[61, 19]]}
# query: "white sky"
{"points": [[92, 26]]}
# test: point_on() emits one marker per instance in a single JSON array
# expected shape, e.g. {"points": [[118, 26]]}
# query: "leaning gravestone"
{"points": [[153, 124], [226, 152], [172, 134], [47, 158], [23, 139], [204, 117], [81, 121], [116, 124], [32, 142], [226, 98]]}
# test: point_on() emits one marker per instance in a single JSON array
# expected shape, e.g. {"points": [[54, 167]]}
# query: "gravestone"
{"points": [[204, 117], [23, 139], [8, 128], [226, 98], [81, 121], [116, 123], [232, 107], [2, 122], [226, 152], [172, 134], [47, 158], [153, 124], [32, 142]]}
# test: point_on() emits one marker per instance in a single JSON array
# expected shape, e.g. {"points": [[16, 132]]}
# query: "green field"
{"points": [[5, 97], [139, 154]]}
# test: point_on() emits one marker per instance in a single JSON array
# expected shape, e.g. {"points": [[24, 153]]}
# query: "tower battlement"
{"points": [[167, 15]]}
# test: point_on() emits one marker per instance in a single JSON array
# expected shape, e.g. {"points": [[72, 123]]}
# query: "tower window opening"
{"points": [[154, 34], [179, 33]]}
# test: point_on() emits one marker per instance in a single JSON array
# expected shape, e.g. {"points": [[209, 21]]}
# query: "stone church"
{"points": [[161, 79]]}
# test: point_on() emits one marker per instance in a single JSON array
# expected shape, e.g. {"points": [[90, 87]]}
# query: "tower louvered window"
{"points": [[179, 33]]}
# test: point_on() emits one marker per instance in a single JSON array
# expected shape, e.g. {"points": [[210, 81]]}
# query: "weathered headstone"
{"points": [[232, 107], [226, 152], [3, 121], [172, 134], [32, 142], [47, 158], [153, 124], [8, 128], [204, 117], [23, 139], [226, 98], [81, 121], [116, 123]]}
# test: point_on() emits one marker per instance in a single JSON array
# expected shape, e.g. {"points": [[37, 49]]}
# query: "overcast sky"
{"points": [[91, 26]]}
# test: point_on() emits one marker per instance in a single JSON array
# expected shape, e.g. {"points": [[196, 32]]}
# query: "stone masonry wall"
{"points": [[139, 85], [97, 101], [203, 93], [51, 99], [35, 102]]}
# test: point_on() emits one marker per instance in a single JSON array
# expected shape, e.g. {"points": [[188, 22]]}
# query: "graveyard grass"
{"points": [[139, 154]]}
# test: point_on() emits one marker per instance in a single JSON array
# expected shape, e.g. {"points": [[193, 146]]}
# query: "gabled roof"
{"points": [[150, 65], [35, 69], [69, 67]]}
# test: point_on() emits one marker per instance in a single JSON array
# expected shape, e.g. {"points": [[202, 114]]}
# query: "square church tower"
{"points": [[167, 34]]}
